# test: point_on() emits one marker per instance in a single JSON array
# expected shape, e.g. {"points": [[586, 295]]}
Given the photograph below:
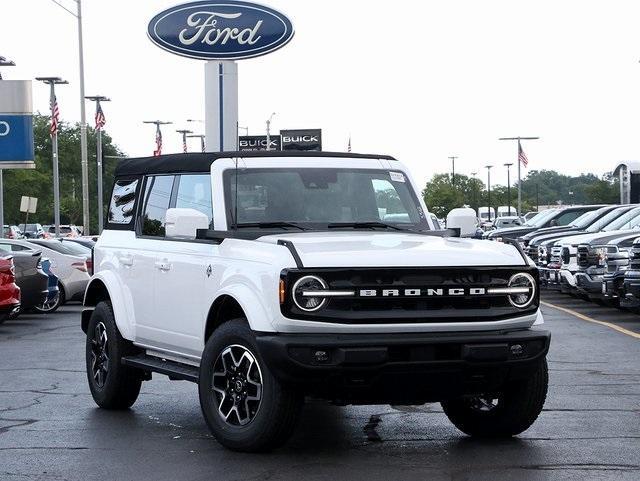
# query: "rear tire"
{"points": [[112, 384], [504, 414], [232, 376]]}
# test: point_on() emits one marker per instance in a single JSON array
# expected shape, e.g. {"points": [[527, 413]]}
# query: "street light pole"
{"points": [[52, 82], [508, 165], [184, 139], [3, 63], [269, 131], [83, 118], [488, 167], [453, 169], [98, 99], [475, 200], [518, 154]]}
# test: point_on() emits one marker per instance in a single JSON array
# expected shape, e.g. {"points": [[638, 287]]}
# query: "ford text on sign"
{"points": [[16, 138], [220, 30]]}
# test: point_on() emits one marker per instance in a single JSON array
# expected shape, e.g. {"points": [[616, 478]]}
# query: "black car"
{"points": [[587, 223], [32, 280], [32, 231], [629, 291], [555, 217]]}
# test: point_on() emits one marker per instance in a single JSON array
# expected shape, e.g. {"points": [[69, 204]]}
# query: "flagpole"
{"points": [[52, 81], [518, 160], [519, 183], [98, 99]]}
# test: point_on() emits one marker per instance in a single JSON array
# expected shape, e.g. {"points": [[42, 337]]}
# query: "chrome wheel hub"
{"points": [[237, 385], [100, 355], [484, 403]]}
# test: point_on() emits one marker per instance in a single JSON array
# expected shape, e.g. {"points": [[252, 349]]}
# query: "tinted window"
{"points": [[194, 192], [157, 198], [122, 202], [12, 247], [567, 217]]}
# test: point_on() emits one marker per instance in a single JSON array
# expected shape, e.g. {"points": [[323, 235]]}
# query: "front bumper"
{"points": [[402, 368], [589, 284], [550, 278], [612, 285], [630, 292]]}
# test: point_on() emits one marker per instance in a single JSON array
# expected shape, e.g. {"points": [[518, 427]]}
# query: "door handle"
{"points": [[126, 261], [163, 265]]}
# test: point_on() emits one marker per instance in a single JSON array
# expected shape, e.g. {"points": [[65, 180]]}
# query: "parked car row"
{"points": [[595, 256], [38, 231], [46, 273]]}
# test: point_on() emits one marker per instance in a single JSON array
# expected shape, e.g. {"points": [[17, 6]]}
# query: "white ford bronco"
{"points": [[268, 277]]}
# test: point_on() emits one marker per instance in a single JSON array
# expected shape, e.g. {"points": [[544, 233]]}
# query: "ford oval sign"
{"points": [[220, 30]]}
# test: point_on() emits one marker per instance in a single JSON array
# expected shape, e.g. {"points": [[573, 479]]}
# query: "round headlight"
{"points": [[303, 293], [524, 286]]}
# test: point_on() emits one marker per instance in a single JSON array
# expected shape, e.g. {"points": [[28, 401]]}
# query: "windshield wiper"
{"points": [[366, 225], [271, 225]]}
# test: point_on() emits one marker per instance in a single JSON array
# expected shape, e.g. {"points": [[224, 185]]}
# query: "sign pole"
{"points": [[56, 179]]}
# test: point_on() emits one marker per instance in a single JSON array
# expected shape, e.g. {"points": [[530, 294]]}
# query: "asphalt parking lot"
{"points": [[50, 428]]}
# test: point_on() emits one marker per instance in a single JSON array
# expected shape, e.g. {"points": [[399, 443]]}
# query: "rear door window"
{"points": [[157, 198]]}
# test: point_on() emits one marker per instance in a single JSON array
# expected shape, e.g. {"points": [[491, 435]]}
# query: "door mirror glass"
{"points": [[183, 223]]}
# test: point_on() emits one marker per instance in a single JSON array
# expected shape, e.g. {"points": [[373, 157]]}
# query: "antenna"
{"points": [[235, 207]]}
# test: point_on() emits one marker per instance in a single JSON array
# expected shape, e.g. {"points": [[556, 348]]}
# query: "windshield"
{"points": [[53, 245], [626, 221], [604, 221], [540, 219], [586, 219], [317, 198]]}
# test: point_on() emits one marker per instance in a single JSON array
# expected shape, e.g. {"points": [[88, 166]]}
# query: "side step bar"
{"points": [[174, 370]]}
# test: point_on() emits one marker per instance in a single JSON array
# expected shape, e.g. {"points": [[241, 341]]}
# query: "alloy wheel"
{"points": [[237, 385], [100, 355]]}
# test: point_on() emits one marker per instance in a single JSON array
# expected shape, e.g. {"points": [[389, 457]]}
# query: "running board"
{"points": [[174, 370]]}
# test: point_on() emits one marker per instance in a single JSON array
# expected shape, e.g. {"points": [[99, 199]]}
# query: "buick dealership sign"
{"points": [[308, 139], [220, 30]]}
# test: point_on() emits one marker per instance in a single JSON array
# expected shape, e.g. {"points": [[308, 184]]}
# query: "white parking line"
{"points": [[596, 321]]}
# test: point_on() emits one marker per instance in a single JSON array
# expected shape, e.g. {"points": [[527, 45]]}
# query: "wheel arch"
{"points": [[235, 302], [105, 287]]}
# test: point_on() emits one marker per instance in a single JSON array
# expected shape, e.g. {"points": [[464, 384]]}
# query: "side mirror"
{"points": [[553, 223], [183, 223], [463, 218]]}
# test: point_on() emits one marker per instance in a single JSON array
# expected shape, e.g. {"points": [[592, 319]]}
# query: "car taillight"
{"points": [[89, 264], [81, 266]]}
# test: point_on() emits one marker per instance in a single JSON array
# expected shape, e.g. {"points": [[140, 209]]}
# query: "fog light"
{"points": [[517, 349]]}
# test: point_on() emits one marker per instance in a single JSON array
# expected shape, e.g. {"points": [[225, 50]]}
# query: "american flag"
{"points": [[100, 118], [55, 115], [349, 145], [522, 157], [184, 144], [158, 150]]}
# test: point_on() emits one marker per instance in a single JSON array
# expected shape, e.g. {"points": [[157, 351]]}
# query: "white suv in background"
{"points": [[266, 277]]}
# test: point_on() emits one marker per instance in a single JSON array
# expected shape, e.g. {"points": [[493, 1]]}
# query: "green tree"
{"points": [[38, 182]]}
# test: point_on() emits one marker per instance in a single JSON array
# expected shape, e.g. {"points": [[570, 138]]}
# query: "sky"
{"points": [[421, 81]]}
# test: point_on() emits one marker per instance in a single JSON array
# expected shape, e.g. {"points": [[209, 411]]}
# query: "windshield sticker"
{"points": [[397, 176]]}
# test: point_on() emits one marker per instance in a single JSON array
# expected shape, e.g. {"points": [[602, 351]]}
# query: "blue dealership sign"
{"points": [[220, 30], [16, 138]]}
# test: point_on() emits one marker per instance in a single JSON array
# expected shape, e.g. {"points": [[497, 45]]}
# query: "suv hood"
{"points": [[511, 232], [550, 230], [595, 238], [550, 238], [395, 249]]}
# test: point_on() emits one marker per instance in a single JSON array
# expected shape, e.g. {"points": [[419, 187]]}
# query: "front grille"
{"points": [[532, 252], [404, 309], [616, 259], [583, 256], [565, 255], [634, 257]]}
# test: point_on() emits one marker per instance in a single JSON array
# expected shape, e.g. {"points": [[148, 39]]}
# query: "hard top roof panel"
{"points": [[201, 162]]}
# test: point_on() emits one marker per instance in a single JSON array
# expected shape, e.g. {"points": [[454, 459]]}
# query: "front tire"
{"points": [[112, 384], [244, 405], [503, 414]]}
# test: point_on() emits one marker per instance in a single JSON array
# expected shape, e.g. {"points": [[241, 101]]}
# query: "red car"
{"points": [[9, 290]]}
